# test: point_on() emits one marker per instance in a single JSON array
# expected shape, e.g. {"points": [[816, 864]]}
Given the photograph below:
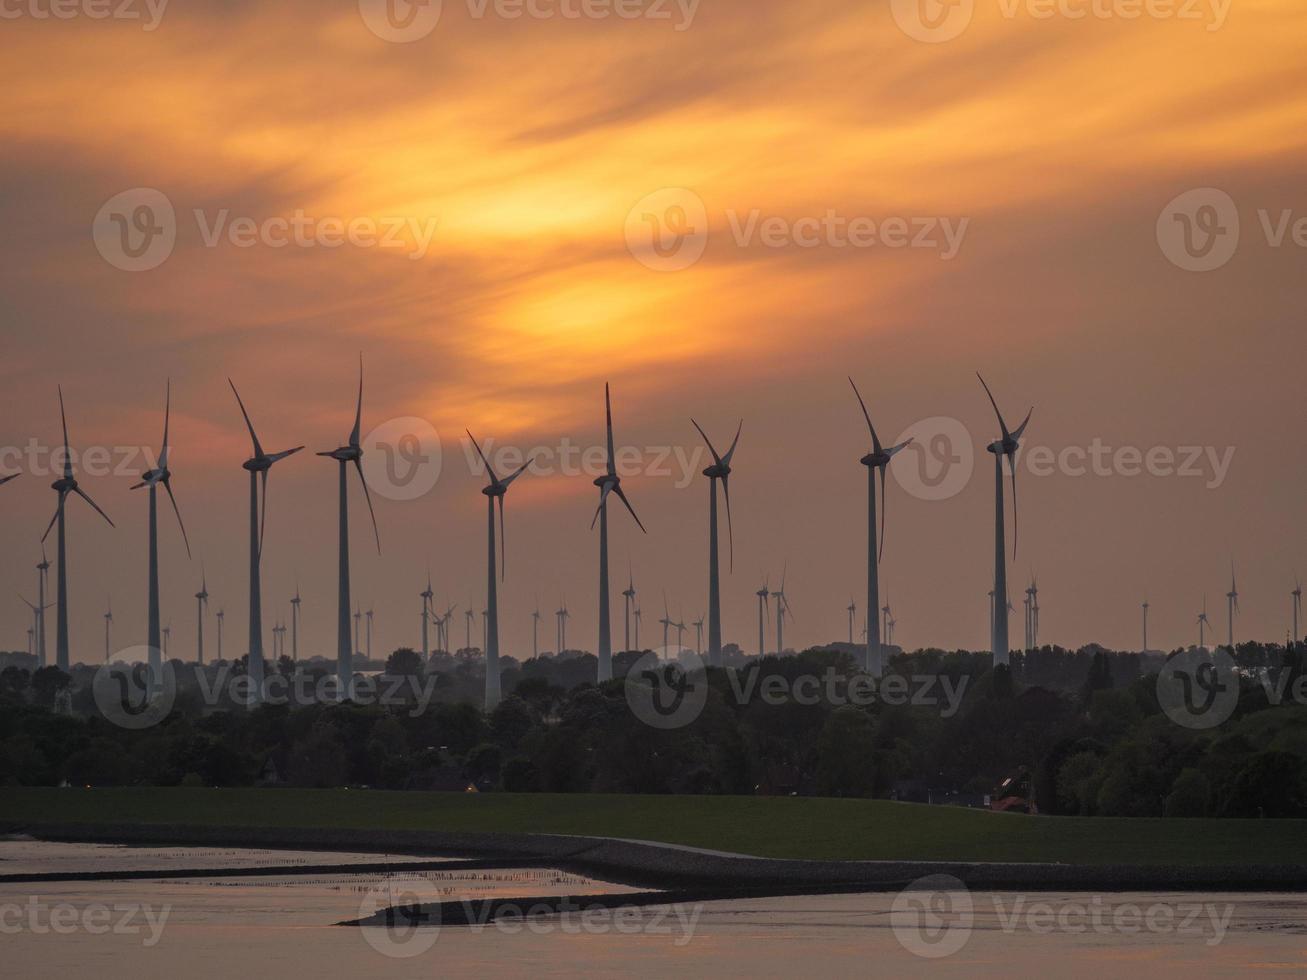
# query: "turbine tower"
{"points": [[468, 617], [635, 615], [782, 610], [427, 595], [201, 604], [698, 636], [852, 611], [295, 625], [1034, 611], [763, 616], [42, 586], [221, 613], [352, 452], [1006, 446], [610, 482], [1145, 609], [876, 461], [1296, 595], [629, 595], [64, 486], [36, 612], [1232, 599], [496, 491], [666, 622], [1203, 623], [108, 622], [563, 617], [167, 635], [535, 633], [358, 619], [720, 470], [258, 466]]}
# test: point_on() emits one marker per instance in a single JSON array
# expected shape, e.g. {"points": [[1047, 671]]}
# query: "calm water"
{"points": [[285, 926]]}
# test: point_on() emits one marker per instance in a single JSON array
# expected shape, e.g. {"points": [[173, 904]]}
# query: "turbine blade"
{"points": [[358, 412], [716, 459], [622, 496], [263, 511], [167, 485], [734, 442], [881, 551], [1001, 424], [63, 420], [83, 494], [507, 481], [358, 465], [282, 455], [167, 414], [608, 409], [1022, 427], [6, 479], [258, 450], [1012, 464], [875, 441], [895, 450], [603, 496], [50, 526], [489, 469], [730, 531]]}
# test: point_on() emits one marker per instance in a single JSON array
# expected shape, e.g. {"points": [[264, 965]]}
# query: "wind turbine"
{"points": [[852, 611], [221, 613], [1006, 446], [427, 595], [358, 619], [442, 628], [108, 622], [497, 490], [876, 461], [1232, 598], [160, 475], [666, 622], [1296, 594], [1145, 609], [698, 636], [369, 615], [782, 609], [629, 595], [468, 617], [167, 634], [763, 616], [352, 452], [64, 486], [42, 583], [1034, 611], [37, 612], [610, 482], [295, 625], [201, 604], [720, 470], [886, 614], [680, 637], [636, 614], [1203, 623], [258, 466], [562, 615], [535, 632]]}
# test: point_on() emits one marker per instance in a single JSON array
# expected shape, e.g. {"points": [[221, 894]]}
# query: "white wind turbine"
{"points": [[37, 613], [1296, 595], [160, 475], [221, 615], [535, 632], [610, 482], [201, 604], [876, 461], [497, 490], [1232, 600], [295, 624], [666, 622], [782, 610], [720, 470], [1145, 608], [629, 595], [65, 485], [764, 616], [42, 583], [1005, 446], [852, 611], [352, 452], [108, 623], [258, 466], [426, 595], [1203, 623]]}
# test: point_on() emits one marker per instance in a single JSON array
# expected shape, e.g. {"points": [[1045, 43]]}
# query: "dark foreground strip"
{"points": [[269, 871], [654, 866]]}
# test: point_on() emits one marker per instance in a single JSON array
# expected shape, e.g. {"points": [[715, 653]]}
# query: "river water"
{"points": [[285, 925]]}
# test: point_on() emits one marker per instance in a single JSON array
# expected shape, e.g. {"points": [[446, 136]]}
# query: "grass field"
{"points": [[766, 826]]}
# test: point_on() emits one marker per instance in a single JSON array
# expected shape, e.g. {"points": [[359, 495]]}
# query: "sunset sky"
{"points": [[524, 145]]}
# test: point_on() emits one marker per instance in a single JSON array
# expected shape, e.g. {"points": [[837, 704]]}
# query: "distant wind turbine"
{"points": [[369, 615], [852, 611], [563, 616], [666, 622], [426, 595], [610, 482], [358, 620], [352, 452], [221, 614], [258, 466], [1232, 598], [64, 486], [698, 636], [629, 595], [295, 625], [720, 470], [201, 604], [1145, 607], [1007, 446], [495, 491], [1296, 595], [535, 632], [636, 614], [42, 587], [782, 610], [36, 612], [1203, 623], [877, 460], [763, 616], [108, 622]]}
